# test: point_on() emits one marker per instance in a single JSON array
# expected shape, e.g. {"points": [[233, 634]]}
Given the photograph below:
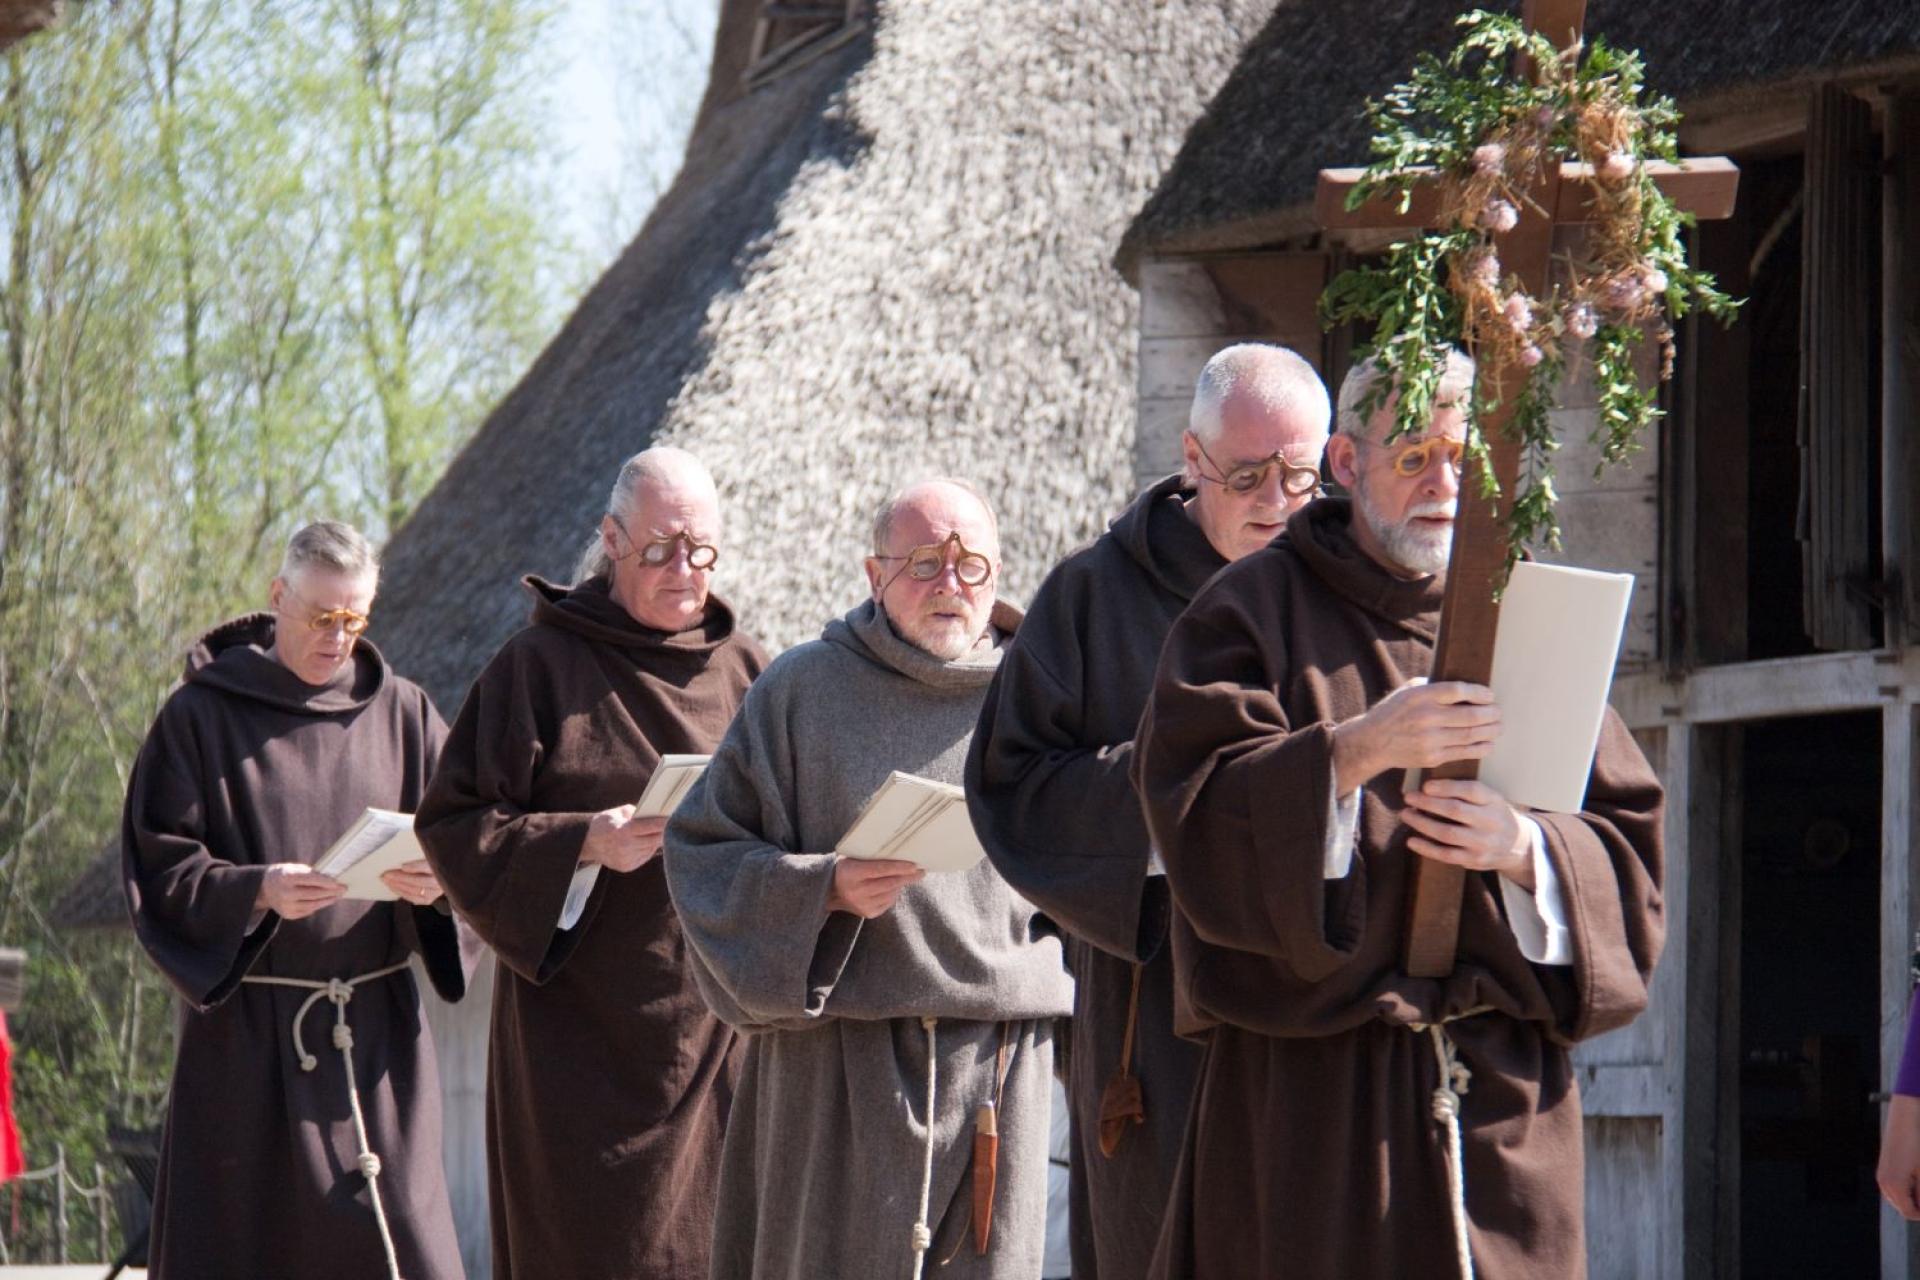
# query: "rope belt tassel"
{"points": [[922, 1233], [1454, 1080], [339, 992]]}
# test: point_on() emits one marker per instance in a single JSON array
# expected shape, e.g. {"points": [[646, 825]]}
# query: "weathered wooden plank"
{"points": [[1275, 294], [1168, 366], [1162, 422], [1623, 1089], [460, 1034], [1618, 531], [1821, 684], [1624, 1198], [1838, 235]]}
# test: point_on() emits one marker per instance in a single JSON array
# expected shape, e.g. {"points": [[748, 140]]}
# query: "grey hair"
{"points": [[331, 545], [883, 518], [1280, 379], [661, 463], [1360, 397]]}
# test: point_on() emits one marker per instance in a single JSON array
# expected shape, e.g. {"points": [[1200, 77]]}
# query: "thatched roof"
{"points": [[889, 263], [1293, 104]]}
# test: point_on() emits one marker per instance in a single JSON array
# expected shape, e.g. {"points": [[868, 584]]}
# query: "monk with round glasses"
{"points": [[609, 1082]]}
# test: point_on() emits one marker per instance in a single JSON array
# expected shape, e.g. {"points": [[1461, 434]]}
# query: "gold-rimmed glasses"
{"points": [[1297, 480], [925, 563], [327, 619], [1411, 460], [700, 555]]}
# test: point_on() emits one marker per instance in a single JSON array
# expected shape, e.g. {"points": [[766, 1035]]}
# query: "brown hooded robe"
{"points": [[1313, 1150], [1051, 800], [609, 1082], [247, 765]]}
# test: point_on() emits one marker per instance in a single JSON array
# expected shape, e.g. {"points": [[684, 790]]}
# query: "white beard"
{"points": [[1414, 549]]}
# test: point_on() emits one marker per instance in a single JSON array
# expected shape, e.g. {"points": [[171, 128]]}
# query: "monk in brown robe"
{"points": [[288, 726], [1048, 787], [609, 1082], [1272, 763]]}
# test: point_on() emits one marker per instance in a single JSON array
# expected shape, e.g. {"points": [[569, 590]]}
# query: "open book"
{"points": [[672, 778], [379, 840], [1553, 657], [916, 820]]}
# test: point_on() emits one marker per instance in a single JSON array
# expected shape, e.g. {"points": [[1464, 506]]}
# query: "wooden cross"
{"points": [[1464, 651]]}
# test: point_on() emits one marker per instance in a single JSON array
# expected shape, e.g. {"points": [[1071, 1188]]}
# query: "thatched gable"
{"points": [[888, 263], [1294, 103]]}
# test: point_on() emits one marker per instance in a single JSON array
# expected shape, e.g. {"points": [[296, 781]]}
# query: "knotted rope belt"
{"points": [[1452, 1087], [339, 992], [986, 1153]]}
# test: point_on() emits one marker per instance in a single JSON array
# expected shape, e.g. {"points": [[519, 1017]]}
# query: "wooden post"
{"points": [[1469, 614], [101, 1213], [60, 1202]]}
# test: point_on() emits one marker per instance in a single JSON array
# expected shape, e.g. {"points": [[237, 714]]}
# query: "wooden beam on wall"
{"points": [[1839, 248]]}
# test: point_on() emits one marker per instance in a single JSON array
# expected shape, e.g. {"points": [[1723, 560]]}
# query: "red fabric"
{"points": [[12, 1164]]}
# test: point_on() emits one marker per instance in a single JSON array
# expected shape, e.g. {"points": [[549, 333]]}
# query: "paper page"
{"points": [[380, 840], [1553, 658], [672, 778], [915, 820]]}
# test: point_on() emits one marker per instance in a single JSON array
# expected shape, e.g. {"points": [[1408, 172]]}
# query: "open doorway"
{"points": [[1809, 946]]}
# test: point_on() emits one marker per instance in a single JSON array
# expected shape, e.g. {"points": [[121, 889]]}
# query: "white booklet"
{"points": [[672, 778], [1553, 657], [379, 840], [916, 820]]}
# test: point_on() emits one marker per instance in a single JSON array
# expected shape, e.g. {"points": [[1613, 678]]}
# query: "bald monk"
{"points": [[1051, 799], [887, 1009], [608, 1083]]}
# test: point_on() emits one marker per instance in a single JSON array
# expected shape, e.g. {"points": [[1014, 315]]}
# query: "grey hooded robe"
{"points": [[823, 1167]]}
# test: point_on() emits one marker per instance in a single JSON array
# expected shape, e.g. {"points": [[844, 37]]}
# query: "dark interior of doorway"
{"points": [[1809, 995]]}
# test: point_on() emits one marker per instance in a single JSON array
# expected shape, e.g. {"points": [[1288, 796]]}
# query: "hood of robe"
{"points": [[865, 630], [234, 658], [1321, 534], [1165, 541], [590, 610]]}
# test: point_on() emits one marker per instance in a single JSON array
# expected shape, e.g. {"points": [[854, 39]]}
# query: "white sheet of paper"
{"points": [[916, 820], [379, 840], [672, 778], [1553, 657]]}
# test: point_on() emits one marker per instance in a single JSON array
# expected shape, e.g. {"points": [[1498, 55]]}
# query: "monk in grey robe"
{"points": [[886, 1007], [1047, 777], [287, 727], [608, 1081], [1353, 1122]]}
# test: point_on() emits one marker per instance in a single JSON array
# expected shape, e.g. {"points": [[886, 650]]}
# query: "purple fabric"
{"points": [[1908, 1081]]}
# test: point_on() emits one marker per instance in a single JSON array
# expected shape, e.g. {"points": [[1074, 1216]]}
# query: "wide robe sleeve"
{"points": [[1236, 798], [448, 947], [191, 909], [766, 951], [505, 865], [1609, 858], [1059, 819]]}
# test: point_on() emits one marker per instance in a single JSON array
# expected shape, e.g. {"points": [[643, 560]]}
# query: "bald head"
{"points": [[943, 499], [1259, 380]]}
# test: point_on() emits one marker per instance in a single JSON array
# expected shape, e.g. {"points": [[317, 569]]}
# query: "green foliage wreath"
{"points": [[1485, 135]]}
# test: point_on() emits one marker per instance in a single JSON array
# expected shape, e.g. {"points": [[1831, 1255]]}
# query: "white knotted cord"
{"points": [[922, 1233], [1454, 1079], [340, 992]]}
